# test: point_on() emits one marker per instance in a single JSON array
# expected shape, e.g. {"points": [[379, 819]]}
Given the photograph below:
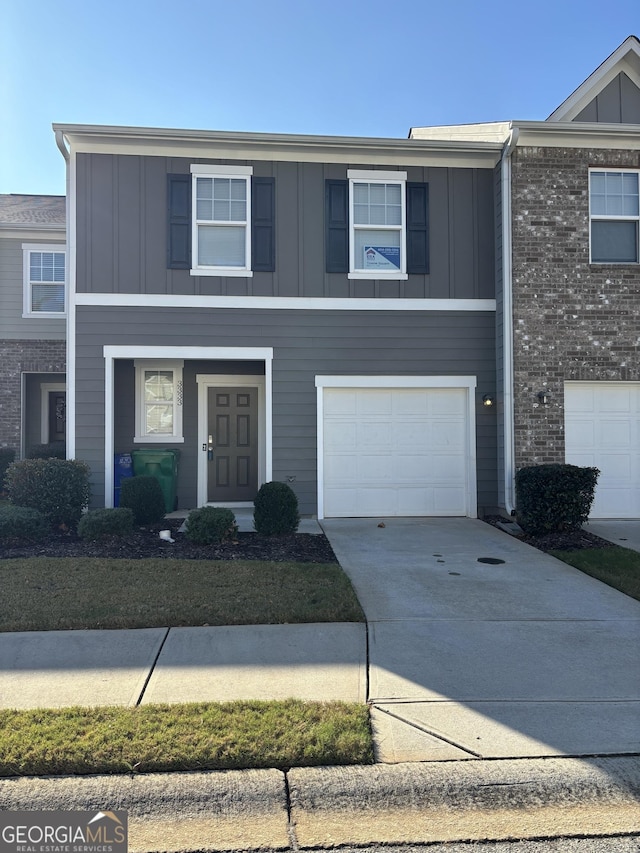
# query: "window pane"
{"points": [[238, 189], [158, 385], [377, 250], [221, 188], [222, 246], [614, 242], [159, 419], [46, 266], [221, 210], [47, 297], [204, 209], [377, 204]]}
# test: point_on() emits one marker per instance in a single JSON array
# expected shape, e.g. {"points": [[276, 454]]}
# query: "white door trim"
{"points": [[111, 353], [467, 382], [226, 380]]}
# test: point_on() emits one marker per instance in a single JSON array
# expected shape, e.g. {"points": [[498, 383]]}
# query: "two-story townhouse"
{"points": [[568, 290], [316, 310], [32, 321]]}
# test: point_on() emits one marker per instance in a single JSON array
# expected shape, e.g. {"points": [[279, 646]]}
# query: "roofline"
{"points": [[579, 98], [209, 144]]}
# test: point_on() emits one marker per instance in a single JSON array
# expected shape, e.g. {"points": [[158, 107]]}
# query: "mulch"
{"points": [[568, 540], [145, 542]]}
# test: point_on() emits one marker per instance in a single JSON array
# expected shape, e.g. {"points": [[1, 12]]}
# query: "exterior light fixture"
{"points": [[488, 400], [543, 397]]}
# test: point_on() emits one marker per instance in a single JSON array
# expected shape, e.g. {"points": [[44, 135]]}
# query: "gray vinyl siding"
{"points": [[306, 344], [122, 225], [13, 326], [619, 102]]}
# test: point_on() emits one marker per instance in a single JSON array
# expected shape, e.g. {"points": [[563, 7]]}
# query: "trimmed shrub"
{"points": [[211, 525], [143, 495], [55, 450], [553, 498], [7, 455], [276, 509], [106, 522], [58, 488], [22, 522]]}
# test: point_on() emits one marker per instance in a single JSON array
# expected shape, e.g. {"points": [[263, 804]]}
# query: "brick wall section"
{"points": [[16, 358], [571, 320]]}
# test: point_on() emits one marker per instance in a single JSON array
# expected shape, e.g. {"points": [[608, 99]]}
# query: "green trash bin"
{"points": [[163, 465]]}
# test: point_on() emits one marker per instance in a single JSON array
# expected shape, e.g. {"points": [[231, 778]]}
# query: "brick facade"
{"points": [[572, 320], [16, 358]]}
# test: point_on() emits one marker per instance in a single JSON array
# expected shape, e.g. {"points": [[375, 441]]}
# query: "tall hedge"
{"points": [[58, 488], [554, 498]]}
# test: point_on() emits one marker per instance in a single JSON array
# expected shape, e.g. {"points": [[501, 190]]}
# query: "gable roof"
{"points": [[33, 211], [625, 59]]}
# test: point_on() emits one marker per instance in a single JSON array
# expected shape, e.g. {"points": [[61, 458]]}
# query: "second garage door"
{"points": [[602, 429], [397, 452]]}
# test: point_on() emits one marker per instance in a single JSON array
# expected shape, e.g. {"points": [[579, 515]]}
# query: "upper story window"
{"points": [[44, 280], [221, 220], [158, 401], [614, 202], [377, 224]]}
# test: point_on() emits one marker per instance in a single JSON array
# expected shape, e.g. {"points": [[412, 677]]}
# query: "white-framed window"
{"points": [[158, 401], [221, 216], [44, 268], [377, 224], [614, 210]]}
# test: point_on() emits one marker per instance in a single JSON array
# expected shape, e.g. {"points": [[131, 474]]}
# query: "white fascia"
{"points": [[71, 305]]}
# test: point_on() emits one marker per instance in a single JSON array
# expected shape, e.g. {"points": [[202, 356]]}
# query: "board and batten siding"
{"points": [[617, 103], [13, 326], [305, 344], [122, 233]]}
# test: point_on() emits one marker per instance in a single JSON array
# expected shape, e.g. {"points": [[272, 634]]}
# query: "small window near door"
{"points": [[158, 401]]}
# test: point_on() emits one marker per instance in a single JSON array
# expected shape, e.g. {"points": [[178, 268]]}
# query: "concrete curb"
{"points": [[328, 806]]}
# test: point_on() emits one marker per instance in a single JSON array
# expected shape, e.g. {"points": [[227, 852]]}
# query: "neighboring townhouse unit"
{"points": [[316, 310], [569, 284], [32, 321]]}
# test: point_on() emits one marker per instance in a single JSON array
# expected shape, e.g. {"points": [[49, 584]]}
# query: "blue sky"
{"points": [[343, 67]]}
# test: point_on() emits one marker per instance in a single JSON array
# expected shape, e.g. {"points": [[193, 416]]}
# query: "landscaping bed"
{"points": [[145, 542]]}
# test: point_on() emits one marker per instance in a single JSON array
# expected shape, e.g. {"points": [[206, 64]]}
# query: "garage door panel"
{"points": [[602, 430], [401, 451]]}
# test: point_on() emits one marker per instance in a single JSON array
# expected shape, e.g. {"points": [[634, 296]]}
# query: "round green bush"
{"points": [[22, 522], [58, 488], [144, 496], [210, 525], [105, 522], [275, 509]]}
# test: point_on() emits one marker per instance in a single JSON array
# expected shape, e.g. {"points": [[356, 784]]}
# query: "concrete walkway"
{"points": [[621, 531], [519, 656]]}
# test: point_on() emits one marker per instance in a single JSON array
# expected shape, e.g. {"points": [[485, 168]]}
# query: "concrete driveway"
{"points": [[521, 656]]}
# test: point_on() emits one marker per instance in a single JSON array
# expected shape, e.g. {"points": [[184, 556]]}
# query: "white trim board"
{"points": [[111, 353], [300, 303], [466, 382]]}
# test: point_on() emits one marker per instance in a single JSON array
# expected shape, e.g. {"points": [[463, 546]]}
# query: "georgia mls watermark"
{"points": [[63, 832]]}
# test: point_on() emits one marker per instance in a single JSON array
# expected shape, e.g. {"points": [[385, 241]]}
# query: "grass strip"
{"points": [[49, 594], [199, 736], [618, 567]]}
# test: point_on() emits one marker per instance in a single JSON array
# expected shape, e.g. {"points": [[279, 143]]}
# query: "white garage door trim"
{"points": [[467, 383], [602, 429]]}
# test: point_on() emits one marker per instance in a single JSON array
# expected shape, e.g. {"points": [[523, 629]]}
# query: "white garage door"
{"points": [[602, 423], [396, 452]]}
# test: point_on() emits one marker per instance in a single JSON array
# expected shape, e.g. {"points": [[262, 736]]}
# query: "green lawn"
{"points": [[203, 736], [46, 593], [616, 566]]}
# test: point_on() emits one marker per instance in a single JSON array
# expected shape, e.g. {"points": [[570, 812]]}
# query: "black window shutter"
{"points": [[179, 222], [263, 230], [417, 229], [336, 214]]}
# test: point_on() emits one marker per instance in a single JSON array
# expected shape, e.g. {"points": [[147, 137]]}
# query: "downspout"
{"points": [[507, 323]]}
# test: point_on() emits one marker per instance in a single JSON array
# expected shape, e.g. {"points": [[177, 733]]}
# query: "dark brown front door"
{"points": [[57, 415], [232, 431]]}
